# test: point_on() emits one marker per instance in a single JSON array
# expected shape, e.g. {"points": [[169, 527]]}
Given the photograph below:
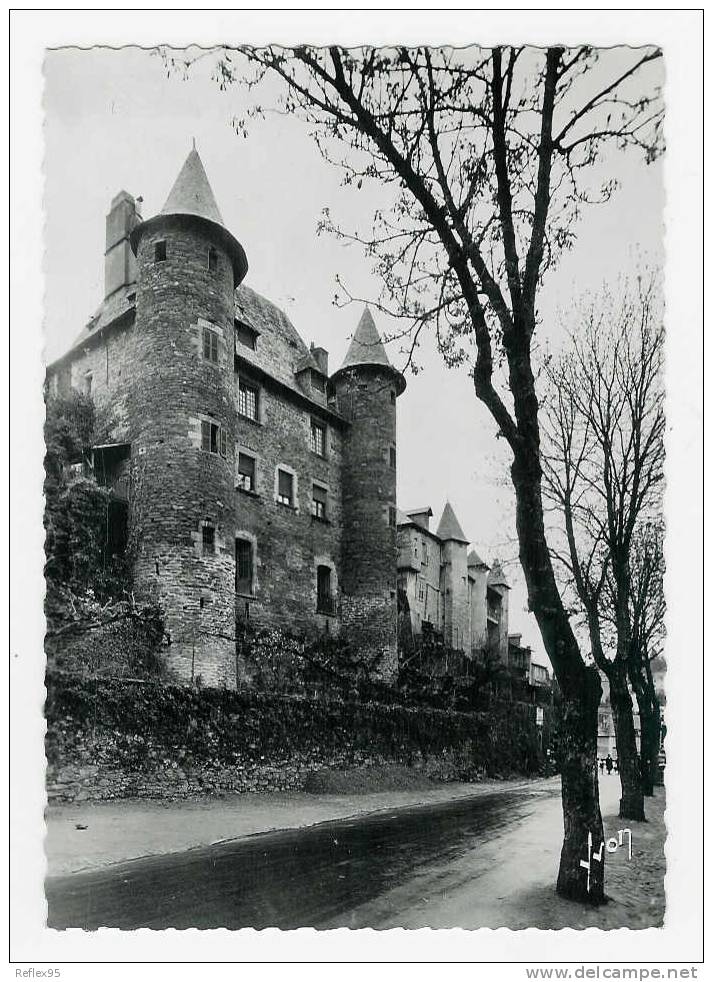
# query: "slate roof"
{"points": [[449, 526], [192, 194], [192, 197], [496, 576], [475, 560], [280, 352], [111, 311], [367, 349]]}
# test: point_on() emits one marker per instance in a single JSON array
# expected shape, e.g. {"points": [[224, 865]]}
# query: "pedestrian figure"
{"points": [[601, 764], [609, 763]]}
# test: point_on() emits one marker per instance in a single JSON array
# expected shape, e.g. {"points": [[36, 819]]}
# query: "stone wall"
{"points": [[367, 398], [289, 542], [110, 739], [420, 572], [108, 357], [456, 598], [179, 489]]}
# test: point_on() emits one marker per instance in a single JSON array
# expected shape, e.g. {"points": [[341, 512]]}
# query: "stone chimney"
{"points": [[321, 356], [421, 516], [119, 260]]}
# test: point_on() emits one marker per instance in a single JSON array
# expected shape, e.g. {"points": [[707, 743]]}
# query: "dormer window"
{"points": [[159, 251], [213, 260], [245, 335], [318, 381]]}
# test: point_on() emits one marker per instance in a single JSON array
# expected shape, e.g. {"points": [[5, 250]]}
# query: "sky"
{"points": [[114, 120]]}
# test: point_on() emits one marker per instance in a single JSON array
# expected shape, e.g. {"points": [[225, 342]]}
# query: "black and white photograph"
{"points": [[367, 425]]}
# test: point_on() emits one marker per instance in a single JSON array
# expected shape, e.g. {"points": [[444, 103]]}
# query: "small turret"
{"points": [[191, 203], [498, 589], [366, 388], [456, 626], [477, 585]]}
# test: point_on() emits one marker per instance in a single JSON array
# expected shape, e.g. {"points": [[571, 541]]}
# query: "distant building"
{"points": [[606, 737], [519, 657], [448, 590], [539, 674]]}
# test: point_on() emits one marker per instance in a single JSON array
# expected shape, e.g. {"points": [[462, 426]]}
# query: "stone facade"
{"points": [[261, 488], [451, 592]]}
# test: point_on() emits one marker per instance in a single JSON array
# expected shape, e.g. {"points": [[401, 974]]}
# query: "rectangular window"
{"points": [[285, 488], [318, 438], [208, 540], [392, 516], [212, 260], [159, 251], [87, 384], [318, 381], [210, 344], [246, 472], [243, 566], [214, 439], [392, 457], [246, 335], [247, 400], [319, 501]]}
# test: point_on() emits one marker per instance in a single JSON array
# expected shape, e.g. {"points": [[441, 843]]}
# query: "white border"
{"points": [[680, 34]]}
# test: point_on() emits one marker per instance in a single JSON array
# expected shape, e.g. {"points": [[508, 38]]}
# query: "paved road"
{"points": [[309, 877]]}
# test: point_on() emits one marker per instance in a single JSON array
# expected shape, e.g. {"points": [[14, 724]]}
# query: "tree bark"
{"points": [[580, 797], [581, 692], [631, 804], [650, 715]]}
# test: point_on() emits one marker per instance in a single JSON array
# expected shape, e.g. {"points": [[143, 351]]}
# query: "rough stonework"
{"points": [[448, 591], [261, 488]]}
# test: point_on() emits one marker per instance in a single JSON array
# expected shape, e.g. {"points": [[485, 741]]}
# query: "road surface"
{"points": [[337, 873]]}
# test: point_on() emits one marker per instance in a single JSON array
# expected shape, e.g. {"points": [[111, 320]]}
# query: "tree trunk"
{"points": [[581, 691], [583, 829], [650, 715], [631, 804]]}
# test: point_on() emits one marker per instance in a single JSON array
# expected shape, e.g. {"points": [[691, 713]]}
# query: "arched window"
{"points": [[212, 260]]}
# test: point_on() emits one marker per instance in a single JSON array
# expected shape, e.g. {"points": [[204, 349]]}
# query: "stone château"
{"points": [[260, 486]]}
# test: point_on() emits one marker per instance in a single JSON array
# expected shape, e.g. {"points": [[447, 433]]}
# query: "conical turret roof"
{"points": [[367, 349], [496, 576], [191, 199], [449, 526], [475, 560], [191, 193]]}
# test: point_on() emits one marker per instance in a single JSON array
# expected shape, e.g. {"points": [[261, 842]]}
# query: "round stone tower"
{"points": [[366, 387], [181, 411]]}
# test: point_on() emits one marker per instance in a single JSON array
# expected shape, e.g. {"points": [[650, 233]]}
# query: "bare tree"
{"points": [[648, 609], [603, 474], [483, 155]]}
